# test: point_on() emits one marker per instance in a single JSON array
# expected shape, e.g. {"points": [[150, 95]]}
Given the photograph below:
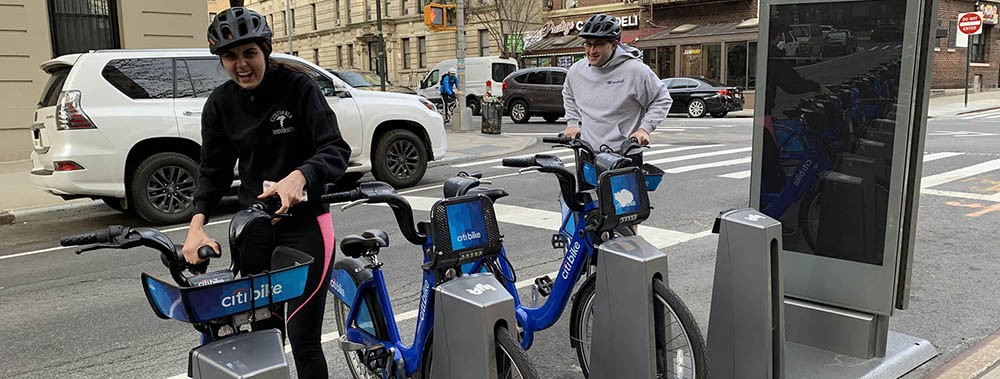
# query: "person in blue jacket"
{"points": [[448, 89]]}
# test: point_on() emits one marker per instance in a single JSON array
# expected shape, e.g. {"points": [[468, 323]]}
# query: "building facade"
{"points": [[37, 30], [343, 34], [983, 51], [216, 6]]}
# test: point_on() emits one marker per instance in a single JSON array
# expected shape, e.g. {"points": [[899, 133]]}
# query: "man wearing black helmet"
{"points": [[612, 95], [277, 124]]}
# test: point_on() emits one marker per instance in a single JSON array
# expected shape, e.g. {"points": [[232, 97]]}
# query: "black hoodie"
{"points": [[282, 125]]}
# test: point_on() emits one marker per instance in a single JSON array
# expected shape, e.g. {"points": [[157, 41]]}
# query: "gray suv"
{"points": [[534, 92]]}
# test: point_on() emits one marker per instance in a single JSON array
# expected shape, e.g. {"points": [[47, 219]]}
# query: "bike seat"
{"points": [[459, 185], [493, 193], [368, 243]]}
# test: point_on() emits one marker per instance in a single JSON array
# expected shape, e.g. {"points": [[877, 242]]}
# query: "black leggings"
{"points": [[305, 313]]}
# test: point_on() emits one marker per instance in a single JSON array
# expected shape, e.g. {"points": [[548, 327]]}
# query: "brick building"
{"points": [[950, 59]]}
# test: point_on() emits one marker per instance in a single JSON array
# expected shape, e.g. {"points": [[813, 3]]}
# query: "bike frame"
{"points": [[578, 256], [412, 355]]}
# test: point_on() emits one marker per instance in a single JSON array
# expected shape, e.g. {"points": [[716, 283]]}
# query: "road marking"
{"points": [[561, 155], [961, 133], [962, 195], [731, 162], [699, 155], [936, 156], [532, 134], [645, 155], [737, 175], [962, 173], [73, 247]]}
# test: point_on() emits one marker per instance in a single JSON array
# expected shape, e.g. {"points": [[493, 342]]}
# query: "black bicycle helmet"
{"points": [[235, 26], [601, 26]]}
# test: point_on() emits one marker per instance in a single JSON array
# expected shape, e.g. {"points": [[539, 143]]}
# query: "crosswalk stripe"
{"points": [[962, 173], [644, 154], [699, 155], [731, 162], [936, 156], [737, 175], [562, 155]]}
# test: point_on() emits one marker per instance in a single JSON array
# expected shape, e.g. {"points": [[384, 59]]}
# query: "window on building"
{"points": [[977, 44], [350, 55], [422, 52], [336, 9], [146, 78], [340, 56], [712, 60], [752, 65], [736, 63], [952, 33], [665, 61], [284, 23], [316, 56], [484, 43], [691, 56], [347, 11], [373, 56], [211, 16], [386, 7], [81, 25], [313, 6], [270, 20], [404, 7], [406, 53], [196, 78], [293, 18]]}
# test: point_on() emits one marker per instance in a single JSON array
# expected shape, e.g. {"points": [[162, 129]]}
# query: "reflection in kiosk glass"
{"points": [[833, 73]]}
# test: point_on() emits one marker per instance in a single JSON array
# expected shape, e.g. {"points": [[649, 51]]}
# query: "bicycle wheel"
{"points": [[809, 211], [512, 360], [680, 346]]}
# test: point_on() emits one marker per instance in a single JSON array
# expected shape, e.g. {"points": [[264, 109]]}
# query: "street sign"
{"points": [[970, 23]]}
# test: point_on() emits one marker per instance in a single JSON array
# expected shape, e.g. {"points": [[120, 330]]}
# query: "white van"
{"points": [[477, 71]]}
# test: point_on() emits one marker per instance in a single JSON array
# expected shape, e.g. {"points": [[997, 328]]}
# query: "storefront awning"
{"points": [[698, 34], [573, 44]]}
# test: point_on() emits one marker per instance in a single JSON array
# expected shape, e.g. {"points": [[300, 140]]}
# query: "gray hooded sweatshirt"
{"points": [[611, 102]]}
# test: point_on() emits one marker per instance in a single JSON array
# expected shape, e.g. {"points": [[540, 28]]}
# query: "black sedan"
{"points": [[698, 96]]}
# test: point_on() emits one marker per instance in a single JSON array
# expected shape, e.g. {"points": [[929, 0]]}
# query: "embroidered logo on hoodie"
{"points": [[280, 117], [619, 81]]}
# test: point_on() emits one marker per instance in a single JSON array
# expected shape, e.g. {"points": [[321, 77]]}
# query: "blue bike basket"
{"points": [[652, 175], [201, 304]]}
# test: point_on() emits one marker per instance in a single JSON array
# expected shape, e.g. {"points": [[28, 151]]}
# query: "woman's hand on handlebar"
{"points": [[641, 136], [196, 238], [291, 191], [571, 131]]}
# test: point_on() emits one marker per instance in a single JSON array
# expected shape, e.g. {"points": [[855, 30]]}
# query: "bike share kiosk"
{"points": [[837, 150], [467, 308], [625, 273]]}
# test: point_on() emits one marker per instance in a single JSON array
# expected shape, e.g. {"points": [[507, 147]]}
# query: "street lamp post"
{"points": [[381, 45]]}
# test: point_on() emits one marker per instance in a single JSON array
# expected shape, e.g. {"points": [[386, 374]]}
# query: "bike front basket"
{"points": [[226, 298]]}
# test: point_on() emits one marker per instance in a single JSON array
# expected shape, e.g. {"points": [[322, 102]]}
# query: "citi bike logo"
{"points": [[241, 296], [480, 288], [802, 171], [423, 303], [469, 236], [570, 258]]}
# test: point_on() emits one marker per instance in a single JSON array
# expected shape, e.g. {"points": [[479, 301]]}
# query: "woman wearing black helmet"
{"points": [[277, 125]]}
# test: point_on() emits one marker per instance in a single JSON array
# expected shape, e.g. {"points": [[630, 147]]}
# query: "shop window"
{"points": [[977, 45], [736, 64], [649, 58], [691, 60], [751, 65], [665, 63], [712, 61]]}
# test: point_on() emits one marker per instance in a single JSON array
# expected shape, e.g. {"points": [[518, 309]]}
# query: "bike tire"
{"points": [[695, 354], [809, 213], [512, 361]]}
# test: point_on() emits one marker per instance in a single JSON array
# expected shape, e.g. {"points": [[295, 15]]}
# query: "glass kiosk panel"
{"points": [[831, 143]]}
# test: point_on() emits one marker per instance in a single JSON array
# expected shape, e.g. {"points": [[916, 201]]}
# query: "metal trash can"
{"points": [[492, 115]]}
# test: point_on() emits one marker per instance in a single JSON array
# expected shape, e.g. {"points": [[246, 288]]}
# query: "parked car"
{"points": [[887, 33], [478, 71], [534, 92], [369, 80], [840, 42], [789, 44], [124, 126], [826, 29], [810, 37], [698, 96]]}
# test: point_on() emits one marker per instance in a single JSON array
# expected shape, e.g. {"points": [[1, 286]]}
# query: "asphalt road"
{"points": [[86, 316]]}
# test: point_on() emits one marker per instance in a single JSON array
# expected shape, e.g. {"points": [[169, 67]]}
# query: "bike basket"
{"points": [[623, 199], [652, 175], [226, 298], [464, 230]]}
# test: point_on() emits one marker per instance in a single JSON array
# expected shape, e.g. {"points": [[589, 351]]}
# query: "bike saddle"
{"points": [[493, 193], [369, 242], [459, 185]]}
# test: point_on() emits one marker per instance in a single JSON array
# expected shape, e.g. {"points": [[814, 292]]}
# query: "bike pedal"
{"points": [[558, 241], [544, 285], [349, 346]]}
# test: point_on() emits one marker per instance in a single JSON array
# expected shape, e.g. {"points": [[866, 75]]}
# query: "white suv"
{"points": [[124, 126]]}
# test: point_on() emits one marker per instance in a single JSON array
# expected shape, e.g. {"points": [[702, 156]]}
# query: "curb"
{"points": [[973, 362], [8, 217], [456, 158], [977, 110]]}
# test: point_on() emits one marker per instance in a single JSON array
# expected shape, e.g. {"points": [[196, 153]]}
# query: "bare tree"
{"points": [[505, 18]]}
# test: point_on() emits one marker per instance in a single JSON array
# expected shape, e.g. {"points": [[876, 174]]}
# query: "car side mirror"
{"points": [[327, 91]]}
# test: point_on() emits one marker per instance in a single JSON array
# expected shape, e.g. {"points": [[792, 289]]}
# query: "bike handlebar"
{"points": [[519, 162], [551, 164], [380, 192], [89, 238]]}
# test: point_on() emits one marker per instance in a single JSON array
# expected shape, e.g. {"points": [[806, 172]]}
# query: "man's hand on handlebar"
{"points": [[641, 136], [571, 131], [196, 238]]}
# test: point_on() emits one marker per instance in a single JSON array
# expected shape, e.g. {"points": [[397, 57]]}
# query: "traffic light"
{"points": [[436, 16]]}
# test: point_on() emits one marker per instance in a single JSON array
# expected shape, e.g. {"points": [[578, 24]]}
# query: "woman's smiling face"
{"points": [[245, 64]]}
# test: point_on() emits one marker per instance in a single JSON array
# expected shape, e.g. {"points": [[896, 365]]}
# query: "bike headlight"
{"points": [[427, 103]]}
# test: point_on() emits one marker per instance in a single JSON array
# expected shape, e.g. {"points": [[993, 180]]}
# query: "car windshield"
{"points": [[837, 35], [358, 79]]}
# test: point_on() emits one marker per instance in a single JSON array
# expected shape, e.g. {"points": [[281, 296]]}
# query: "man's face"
{"points": [[598, 50]]}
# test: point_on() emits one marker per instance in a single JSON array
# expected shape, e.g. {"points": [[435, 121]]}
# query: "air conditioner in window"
{"points": [[337, 21]]}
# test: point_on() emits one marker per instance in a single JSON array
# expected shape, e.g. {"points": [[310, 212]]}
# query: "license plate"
{"points": [[36, 134]]}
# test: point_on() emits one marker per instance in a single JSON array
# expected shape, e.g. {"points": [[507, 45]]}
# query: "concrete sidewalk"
{"points": [[21, 199]]}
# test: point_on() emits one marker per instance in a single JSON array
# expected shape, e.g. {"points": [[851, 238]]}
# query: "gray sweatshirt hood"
{"points": [[622, 54]]}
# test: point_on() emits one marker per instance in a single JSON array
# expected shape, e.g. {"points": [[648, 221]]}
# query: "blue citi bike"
{"points": [[217, 304], [681, 351], [461, 229]]}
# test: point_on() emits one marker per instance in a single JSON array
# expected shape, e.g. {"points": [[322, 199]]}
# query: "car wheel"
{"points": [[400, 159], [519, 112], [719, 114], [475, 105], [696, 108], [551, 118], [162, 188]]}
